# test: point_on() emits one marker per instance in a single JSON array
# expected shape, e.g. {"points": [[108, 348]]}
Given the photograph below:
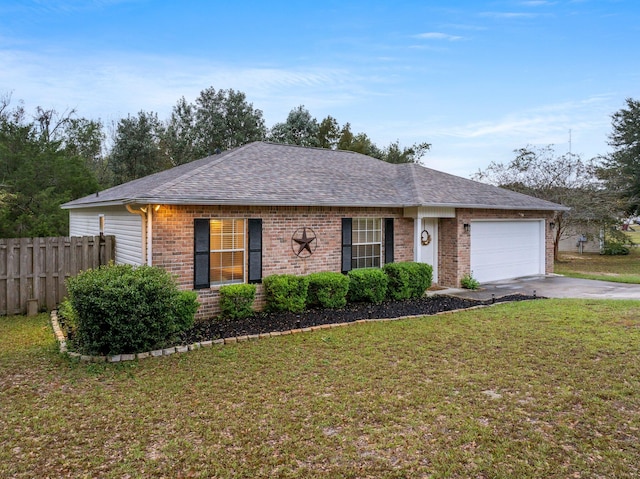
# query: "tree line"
{"points": [[220, 120], [48, 158]]}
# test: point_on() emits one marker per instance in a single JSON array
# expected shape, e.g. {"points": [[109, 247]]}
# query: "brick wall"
{"points": [[173, 240]]}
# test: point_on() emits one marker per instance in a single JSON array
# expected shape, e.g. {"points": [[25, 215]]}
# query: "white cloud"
{"points": [[536, 3], [543, 124], [509, 15], [438, 36], [110, 86], [49, 7]]}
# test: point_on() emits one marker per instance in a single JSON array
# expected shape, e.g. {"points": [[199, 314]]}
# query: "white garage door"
{"points": [[506, 249]]}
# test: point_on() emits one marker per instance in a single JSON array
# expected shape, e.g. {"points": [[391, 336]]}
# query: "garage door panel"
{"points": [[506, 249]]}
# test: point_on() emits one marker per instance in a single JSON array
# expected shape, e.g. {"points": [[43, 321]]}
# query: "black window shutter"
{"points": [[388, 240], [201, 254], [346, 245], [255, 251]]}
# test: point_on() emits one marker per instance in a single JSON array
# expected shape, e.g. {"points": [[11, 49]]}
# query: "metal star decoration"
{"points": [[304, 242]]}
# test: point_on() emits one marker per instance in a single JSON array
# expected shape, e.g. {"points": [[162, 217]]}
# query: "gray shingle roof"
{"points": [[273, 174]]}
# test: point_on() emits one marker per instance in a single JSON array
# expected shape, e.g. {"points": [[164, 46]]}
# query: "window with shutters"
{"points": [[227, 243], [366, 243]]}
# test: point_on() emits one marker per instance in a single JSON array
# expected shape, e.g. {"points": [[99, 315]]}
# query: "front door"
{"points": [[429, 244]]}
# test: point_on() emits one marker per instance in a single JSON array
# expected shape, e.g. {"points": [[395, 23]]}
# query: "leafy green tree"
{"points": [[621, 168], [86, 139], [216, 121], [300, 128], [412, 154], [563, 179], [328, 133], [360, 142], [180, 137], [224, 120], [136, 150], [37, 173]]}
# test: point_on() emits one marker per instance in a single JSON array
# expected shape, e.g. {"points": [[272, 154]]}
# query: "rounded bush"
{"points": [[236, 300], [367, 285], [328, 289], [408, 280], [120, 309], [285, 292]]}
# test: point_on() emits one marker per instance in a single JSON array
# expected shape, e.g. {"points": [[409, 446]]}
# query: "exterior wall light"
{"points": [[467, 227], [552, 226]]}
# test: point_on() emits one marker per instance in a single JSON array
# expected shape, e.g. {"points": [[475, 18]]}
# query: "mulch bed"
{"points": [[216, 328]]}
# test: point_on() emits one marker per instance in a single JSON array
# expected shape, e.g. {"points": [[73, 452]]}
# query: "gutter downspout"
{"points": [[149, 235]]}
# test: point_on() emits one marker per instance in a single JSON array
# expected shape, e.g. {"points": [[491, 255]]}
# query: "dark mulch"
{"points": [[216, 328]]}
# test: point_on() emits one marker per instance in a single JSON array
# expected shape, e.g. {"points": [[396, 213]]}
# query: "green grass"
{"points": [[621, 269], [533, 389]]}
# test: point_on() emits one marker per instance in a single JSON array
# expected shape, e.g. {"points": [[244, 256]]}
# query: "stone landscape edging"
{"points": [[62, 340]]}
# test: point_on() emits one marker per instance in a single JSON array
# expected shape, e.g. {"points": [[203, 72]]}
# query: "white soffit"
{"points": [[430, 212]]}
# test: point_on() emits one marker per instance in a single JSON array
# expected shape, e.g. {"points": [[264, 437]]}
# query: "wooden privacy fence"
{"points": [[33, 270]]}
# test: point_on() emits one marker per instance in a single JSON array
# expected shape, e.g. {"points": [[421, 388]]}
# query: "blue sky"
{"points": [[476, 79]]}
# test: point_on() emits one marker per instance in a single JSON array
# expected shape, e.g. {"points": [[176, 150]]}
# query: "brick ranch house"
{"points": [[264, 209]]}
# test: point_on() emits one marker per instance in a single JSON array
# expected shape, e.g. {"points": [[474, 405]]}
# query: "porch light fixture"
{"points": [[552, 226], [467, 227]]}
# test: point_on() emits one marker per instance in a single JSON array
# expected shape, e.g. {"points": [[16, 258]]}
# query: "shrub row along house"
{"points": [[264, 209]]}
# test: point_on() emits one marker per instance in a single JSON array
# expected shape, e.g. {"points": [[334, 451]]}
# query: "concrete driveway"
{"points": [[551, 286]]}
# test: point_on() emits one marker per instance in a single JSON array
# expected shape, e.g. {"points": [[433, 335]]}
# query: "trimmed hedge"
{"points": [[408, 280], [328, 289], [236, 300], [367, 285], [285, 292], [120, 309]]}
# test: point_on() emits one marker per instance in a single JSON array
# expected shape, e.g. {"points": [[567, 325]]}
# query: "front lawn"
{"points": [[546, 388], [621, 269]]}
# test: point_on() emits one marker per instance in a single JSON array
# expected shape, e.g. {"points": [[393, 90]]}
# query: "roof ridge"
{"points": [[413, 195], [321, 148], [414, 183]]}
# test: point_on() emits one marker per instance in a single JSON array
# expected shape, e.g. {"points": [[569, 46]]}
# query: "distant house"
{"points": [[265, 208], [584, 238]]}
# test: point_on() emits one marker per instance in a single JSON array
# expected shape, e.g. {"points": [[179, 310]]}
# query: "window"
{"points": [[227, 247], [366, 243]]}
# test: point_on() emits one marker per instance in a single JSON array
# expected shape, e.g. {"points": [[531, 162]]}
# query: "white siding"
{"points": [[126, 227]]}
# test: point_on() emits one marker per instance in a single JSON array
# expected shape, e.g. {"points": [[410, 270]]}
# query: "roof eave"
{"points": [[95, 204], [334, 204], [477, 206]]}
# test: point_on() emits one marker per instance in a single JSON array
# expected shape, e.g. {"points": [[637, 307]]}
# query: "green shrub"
{"points": [[367, 285], [185, 307], [407, 280], [285, 292], [469, 282], [121, 309], [328, 289], [68, 317], [616, 243], [614, 248], [236, 300]]}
